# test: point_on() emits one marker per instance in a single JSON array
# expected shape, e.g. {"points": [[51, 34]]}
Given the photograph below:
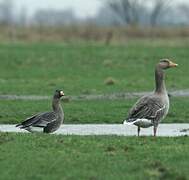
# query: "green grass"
{"points": [[98, 111], [84, 68], [50, 157]]}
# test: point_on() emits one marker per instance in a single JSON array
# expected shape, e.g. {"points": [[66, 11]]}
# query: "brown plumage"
{"points": [[151, 109]]}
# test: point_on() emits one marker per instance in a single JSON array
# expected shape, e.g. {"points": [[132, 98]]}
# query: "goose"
{"points": [[151, 109], [46, 122]]}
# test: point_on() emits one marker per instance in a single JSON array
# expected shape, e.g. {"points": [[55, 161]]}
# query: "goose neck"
{"points": [[159, 80], [56, 105]]}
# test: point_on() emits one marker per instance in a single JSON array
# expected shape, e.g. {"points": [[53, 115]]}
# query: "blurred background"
{"points": [[95, 20]]}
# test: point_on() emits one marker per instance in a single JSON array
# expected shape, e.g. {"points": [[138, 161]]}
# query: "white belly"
{"points": [[144, 123]]}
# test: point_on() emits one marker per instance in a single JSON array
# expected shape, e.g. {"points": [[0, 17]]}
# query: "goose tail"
{"points": [[125, 122]]}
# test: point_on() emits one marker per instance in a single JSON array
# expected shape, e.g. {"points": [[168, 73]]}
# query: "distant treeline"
{"points": [[149, 13], [87, 33]]}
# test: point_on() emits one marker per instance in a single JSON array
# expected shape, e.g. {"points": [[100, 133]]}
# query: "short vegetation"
{"points": [[90, 69]]}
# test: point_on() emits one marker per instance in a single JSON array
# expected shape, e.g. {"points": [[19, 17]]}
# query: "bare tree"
{"points": [[127, 10], [184, 12], [134, 12], [158, 8], [52, 17], [22, 18], [6, 12]]}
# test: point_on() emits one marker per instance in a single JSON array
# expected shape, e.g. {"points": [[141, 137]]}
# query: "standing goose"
{"points": [[151, 109], [47, 122]]}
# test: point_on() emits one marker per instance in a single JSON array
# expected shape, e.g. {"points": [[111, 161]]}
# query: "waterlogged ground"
{"points": [[164, 130], [90, 69]]}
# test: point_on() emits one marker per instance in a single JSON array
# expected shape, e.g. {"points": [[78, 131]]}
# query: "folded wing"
{"points": [[38, 120], [148, 107]]}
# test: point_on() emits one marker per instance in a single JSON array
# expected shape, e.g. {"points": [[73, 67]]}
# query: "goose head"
{"points": [[58, 94], [166, 63]]}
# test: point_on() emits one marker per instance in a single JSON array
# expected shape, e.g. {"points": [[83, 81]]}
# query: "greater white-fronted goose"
{"points": [[151, 109], [46, 122]]}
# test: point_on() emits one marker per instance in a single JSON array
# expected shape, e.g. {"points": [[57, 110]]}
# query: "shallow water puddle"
{"points": [[165, 130]]}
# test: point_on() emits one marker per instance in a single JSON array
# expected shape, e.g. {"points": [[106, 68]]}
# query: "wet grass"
{"points": [[40, 156], [88, 68], [96, 111]]}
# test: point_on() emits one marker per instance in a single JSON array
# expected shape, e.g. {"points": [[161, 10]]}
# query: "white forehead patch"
{"points": [[61, 92]]}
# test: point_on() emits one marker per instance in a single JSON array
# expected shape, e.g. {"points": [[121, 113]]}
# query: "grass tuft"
{"points": [[110, 81]]}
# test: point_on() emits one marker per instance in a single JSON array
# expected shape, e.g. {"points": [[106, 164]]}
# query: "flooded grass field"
{"points": [[90, 69]]}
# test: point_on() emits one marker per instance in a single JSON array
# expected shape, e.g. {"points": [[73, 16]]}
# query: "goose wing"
{"points": [[148, 107], [38, 120]]}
